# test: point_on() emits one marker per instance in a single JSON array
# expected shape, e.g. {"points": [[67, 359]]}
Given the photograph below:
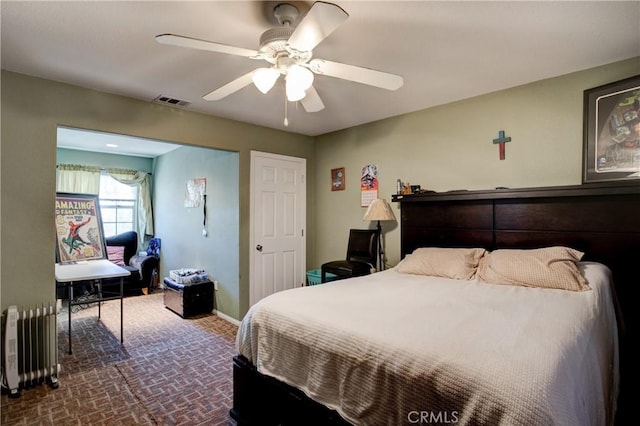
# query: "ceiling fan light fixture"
{"points": [[299, 77], [288, 49], [265, 78], [294, 95], [298, 80]]}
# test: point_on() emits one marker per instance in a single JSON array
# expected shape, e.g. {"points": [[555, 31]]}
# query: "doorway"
{"points": [[181, 229]]}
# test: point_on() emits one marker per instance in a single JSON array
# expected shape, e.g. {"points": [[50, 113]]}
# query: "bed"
{"points": [[407, 348]]}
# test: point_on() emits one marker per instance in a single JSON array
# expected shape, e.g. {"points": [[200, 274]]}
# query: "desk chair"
{"points": [[361, 256]]}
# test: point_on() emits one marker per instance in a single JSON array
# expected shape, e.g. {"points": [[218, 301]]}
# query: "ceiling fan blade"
{"points": [[229, 88], [321, 20], [358, 74], [194, 43], [312, 102]]}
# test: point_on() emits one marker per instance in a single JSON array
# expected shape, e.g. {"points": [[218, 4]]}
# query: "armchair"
{"points": [[122, 249]]}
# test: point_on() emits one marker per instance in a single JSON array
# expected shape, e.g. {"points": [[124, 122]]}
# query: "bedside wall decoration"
{"points": [[611, 135], [368, 184], [501, 140], [337, 179]]}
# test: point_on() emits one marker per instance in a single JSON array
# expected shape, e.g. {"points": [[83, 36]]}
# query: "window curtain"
{"points": [[145, 214], [78, 179]]}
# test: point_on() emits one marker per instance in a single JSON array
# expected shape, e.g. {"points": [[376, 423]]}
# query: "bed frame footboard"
{"points": [[264, 401]]}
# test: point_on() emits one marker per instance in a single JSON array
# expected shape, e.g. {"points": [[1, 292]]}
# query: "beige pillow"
{"points": [[457, 263], [550, 267]]}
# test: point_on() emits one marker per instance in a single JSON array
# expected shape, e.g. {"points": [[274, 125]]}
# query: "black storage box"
{"points": [[188, 299]]}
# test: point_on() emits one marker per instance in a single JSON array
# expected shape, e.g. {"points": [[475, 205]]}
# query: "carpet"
{"points": [[169, 371]]}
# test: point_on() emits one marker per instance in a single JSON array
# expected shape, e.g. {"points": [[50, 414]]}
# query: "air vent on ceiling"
{"points": [[167, 100]]}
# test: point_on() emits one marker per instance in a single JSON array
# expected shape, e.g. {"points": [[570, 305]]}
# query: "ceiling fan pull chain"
{"points": [[286, 120]]}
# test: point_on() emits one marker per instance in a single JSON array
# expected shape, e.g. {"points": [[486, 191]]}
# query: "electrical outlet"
{"points": [[215, 285]]}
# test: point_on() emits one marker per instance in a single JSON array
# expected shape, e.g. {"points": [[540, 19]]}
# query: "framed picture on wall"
{"points": [[337, 179], [79, 234], [368, 184], [611, 146]]}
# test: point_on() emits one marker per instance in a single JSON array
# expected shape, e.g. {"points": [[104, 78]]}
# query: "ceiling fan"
{"points": [[289, 51]]}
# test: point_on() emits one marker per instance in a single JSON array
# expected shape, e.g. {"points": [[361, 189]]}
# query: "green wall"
{"points": [[180, 228], [450, 147], [32, 108], [441, 148]]}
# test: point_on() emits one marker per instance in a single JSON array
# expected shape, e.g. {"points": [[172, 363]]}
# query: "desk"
{"points": [[69, 273]]}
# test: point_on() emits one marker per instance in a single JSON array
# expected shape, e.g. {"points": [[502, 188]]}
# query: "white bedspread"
{"points": [[393, 349]]}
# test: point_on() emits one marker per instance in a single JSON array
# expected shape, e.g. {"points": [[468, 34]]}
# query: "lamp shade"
{"points": [[379, 209], [265, 78]]}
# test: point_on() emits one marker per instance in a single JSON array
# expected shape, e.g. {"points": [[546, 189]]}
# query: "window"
{"points": [[117, 206]]}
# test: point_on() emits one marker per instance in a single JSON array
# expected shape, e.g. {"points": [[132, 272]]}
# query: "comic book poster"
{"points": [[78, 228]]}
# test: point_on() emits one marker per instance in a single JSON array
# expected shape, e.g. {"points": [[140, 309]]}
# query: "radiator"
{"points": [[30, 348]]}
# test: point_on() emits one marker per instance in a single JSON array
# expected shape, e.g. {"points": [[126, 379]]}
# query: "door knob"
{"points": [[259, 247]]}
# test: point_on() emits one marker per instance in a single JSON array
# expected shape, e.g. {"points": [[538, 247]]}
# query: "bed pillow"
{"points": [[116, 254], [549, 267], [456, 263]]}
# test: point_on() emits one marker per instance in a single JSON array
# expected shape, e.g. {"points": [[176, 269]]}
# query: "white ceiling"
{"points": [[110, 143], [446, 51]]}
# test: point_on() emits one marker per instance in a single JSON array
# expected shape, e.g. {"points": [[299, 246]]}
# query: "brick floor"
{"points": [[170, 371]]}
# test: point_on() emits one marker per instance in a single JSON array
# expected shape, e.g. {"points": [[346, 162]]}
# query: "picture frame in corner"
{"points": [[611, 133], [338, 179]]}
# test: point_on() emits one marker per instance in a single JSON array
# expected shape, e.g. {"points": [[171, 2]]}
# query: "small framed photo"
{"points": [[337, 179], [611, 136]]}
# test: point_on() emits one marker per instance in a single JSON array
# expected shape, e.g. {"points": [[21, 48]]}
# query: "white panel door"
{"points": [[278, 222]]}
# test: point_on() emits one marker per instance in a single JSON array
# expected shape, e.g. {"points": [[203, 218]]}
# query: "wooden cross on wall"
{"points": [[501, 140]]}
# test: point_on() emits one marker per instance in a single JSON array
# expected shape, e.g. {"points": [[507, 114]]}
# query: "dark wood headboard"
{"points": [[601, 220]]}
